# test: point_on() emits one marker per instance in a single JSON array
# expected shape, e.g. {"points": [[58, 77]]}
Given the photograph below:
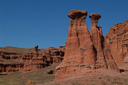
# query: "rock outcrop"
{"points": [[117, 41], [34, 61], [38, 60], [9, 55], [104, 58], [11, 62], [9, 67], [85, 51]]}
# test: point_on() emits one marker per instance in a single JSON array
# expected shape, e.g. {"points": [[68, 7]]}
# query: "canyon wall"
{"points": [[117, 41], [12, 62]]}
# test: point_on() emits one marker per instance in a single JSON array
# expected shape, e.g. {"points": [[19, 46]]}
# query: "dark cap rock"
{"points": [[95, 16], [73, 14]]}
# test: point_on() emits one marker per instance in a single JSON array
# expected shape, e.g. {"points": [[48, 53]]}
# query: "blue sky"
{"points": [[26, 23]]}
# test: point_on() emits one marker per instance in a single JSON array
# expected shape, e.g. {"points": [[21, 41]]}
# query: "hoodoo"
{"points": [[85, 52], [79, 53], [96, 32], [104, 59]]}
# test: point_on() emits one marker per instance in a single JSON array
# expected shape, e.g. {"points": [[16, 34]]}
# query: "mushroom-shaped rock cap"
{"points": [[95, 16], [77, 14], [36, 47]]}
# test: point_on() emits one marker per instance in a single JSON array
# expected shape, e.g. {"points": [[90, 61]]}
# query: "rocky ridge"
{"points": [[12, 61]]}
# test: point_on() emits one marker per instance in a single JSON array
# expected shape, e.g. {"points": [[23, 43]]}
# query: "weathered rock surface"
{"points": [[103, 54], [117, 41], [6, 68], [38, 60], [85, 51], [9, 55], [11, 62]]}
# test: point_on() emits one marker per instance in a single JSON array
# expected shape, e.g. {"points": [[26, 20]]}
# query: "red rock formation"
{"points": [[36, 54], [27, 57], [85, 51], [8, 67], [79, 53], [38, 60], [29, 61], [57, 59], [34, 61], [9, 55], [36, 48], [103, 54], [96, 32], [117, 41], [97, 39], [9, 62]]}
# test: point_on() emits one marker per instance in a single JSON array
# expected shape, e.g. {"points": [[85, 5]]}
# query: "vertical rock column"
{"points": [[96, 36], [36, 54], [96, 32], [104, 57]]}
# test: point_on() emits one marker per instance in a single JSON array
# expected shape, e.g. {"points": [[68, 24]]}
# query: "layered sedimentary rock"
{"points": [[85, 51], [80, 52], [38, 60], [103, 54], [9, 55], [11, 62], [34, 61], [117, 41], [9, 67]]}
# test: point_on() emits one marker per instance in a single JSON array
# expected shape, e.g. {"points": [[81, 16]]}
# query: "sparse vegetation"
{"points": [[37, 76], [18, 50], [41, 76], [103, 83]]}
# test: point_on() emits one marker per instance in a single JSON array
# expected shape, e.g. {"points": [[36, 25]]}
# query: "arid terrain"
{"points": [[14, 59], [89, 58]]}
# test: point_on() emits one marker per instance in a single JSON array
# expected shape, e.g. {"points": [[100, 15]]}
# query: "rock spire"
{"points": [[85, 52]]}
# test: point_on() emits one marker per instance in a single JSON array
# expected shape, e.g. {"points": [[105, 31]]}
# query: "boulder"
{"points": [[50, 71]]}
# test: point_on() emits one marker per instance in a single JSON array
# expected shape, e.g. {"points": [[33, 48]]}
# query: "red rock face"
{"points": [[84, 51], [117, 41], [9, 55], [6, 68], [103, 54], [11, 62], [79, 53], [37, 60]]}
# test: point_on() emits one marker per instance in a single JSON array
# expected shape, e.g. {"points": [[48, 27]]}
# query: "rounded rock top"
{"points": [[94, 16], [73, 14], [36, 46]]}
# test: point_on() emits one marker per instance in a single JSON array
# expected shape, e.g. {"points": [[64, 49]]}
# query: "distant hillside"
{"points": [[17, 50]]}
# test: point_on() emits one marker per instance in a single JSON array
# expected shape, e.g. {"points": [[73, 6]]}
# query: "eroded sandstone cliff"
{"points": [[117, 41], [12, 61], [85, 51]]}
